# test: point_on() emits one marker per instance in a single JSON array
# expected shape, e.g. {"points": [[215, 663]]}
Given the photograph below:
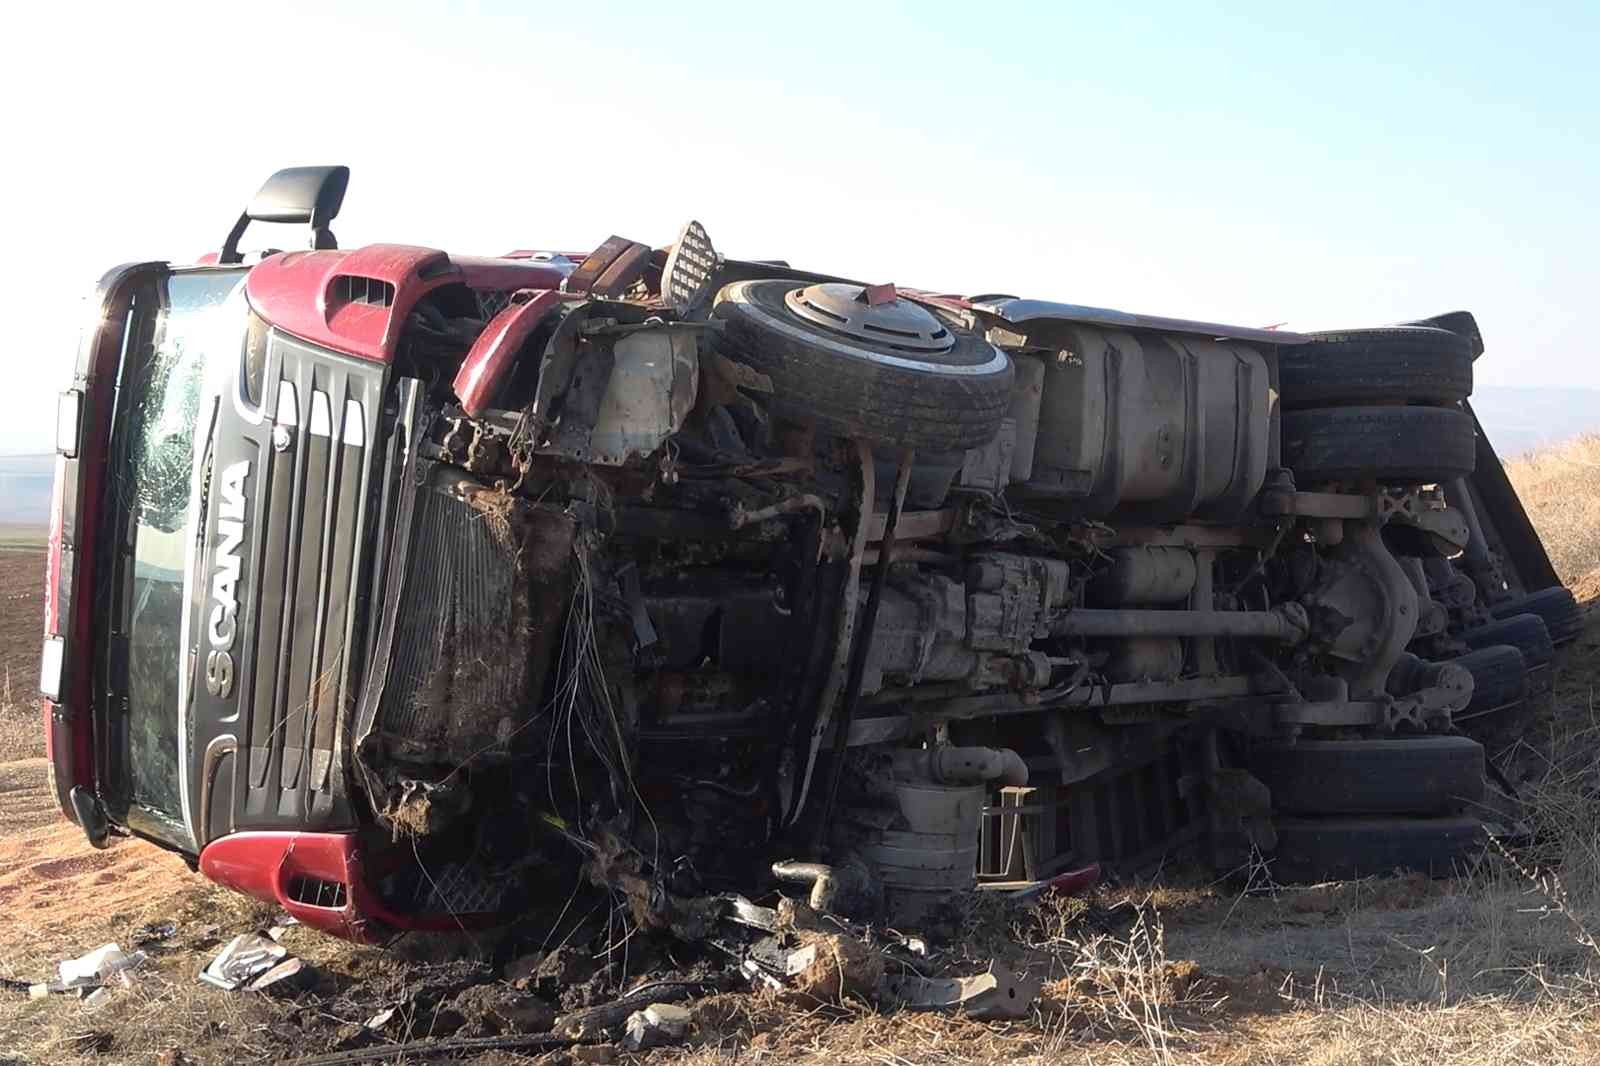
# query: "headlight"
{"points": [[50, 661]]}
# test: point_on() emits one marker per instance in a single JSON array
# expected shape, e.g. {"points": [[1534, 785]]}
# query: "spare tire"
{"points": [[1341, 849], [1557, 606], [1393, 445], [1417, 364], [1418, 775], [1525, 632], [891, 372]]}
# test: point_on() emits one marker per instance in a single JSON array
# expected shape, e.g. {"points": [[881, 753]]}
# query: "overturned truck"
{"points": [[403, 588]]}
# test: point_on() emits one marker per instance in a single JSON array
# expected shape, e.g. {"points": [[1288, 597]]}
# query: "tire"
{"points": [[1342, 849], [939, 401], [1362, 366], [1499, 680], [1525, 632], [1395, 445], [1421, 775], [1557, 606]]}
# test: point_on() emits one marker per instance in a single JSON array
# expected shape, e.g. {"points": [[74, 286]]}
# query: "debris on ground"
{"points": [[242, 960], [828, 966], [88, 975], [657, 1024], [598, 1021], [291, 975], [152, 933], [1070, 883], [990, 996], [98, 966]]}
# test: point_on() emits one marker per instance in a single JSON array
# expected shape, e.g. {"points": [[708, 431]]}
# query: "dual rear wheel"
{"points": [[1378, 405]]}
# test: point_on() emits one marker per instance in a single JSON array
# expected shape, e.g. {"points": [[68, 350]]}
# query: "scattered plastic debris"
{"points": [[657, 1024], [281, 925], [154, 933], [243, 959], [382, 1018], [98, 966], [290, 975]]}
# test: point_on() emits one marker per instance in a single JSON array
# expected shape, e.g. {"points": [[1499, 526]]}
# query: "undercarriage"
{"points": [[706, 573]]}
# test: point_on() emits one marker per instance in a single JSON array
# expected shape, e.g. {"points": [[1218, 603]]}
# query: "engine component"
{"points": [[1145, 576], [1027, 396], [470, 640], [650, 393], [950, 765], [932, 628], [1155, 426], [1364, 610], [1286, 623], [936, 854], [1144, 659], [1009, 597]]}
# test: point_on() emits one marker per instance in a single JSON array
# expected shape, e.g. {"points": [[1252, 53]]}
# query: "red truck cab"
{"points": [[228, 455]]}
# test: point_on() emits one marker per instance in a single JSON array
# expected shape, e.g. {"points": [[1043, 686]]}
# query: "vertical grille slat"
{"points": [[300, 655], [317, 445], [330, 693], [266, 733]]}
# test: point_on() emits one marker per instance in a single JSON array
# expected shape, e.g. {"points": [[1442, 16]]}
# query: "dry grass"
{"points": [[21, 734], [1560, 489]]}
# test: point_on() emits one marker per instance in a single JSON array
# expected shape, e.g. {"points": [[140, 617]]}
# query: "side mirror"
{"points": [[309, 195]]}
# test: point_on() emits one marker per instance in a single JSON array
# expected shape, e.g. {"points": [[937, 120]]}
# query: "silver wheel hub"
{"points": [[844, 309]]}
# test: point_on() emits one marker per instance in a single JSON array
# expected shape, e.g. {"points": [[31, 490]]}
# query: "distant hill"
{"points": [[1519, 420], [25, 482]]}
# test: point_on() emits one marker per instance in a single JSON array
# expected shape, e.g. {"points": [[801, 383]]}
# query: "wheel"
{"points": [[1557, 606], [1339, 849], [1397, 445], [1499, 680], [1417, 775], [890, 371], [1525, 632], [1360, 366]]}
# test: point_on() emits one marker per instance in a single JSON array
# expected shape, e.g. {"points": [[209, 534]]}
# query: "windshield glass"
{"points": [[181, 341]]}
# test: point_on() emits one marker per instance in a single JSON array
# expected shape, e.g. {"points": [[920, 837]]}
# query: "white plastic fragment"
{"points": [[657, 1024], [97, 999], [94, 966], [241, 960]]}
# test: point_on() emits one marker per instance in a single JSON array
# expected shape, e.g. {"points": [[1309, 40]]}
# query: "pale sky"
{"points": [[1322, 166]]}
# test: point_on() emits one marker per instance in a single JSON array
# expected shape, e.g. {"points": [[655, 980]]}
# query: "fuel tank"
{"points": [[1149, 427]]}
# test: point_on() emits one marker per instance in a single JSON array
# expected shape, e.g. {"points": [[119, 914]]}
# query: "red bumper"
{"points": [[319, 878]]}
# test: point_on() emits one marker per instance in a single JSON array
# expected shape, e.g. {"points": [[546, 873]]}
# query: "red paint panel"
{"points": [[263, 865], [489, 362], [507, 274], [299, 293]]}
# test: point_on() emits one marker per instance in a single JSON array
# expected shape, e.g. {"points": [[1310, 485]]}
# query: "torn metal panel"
{"points": [[997, 994]]}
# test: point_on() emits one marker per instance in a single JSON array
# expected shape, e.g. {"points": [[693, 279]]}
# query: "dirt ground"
{"points": [[1496, 966], [21, 631]]}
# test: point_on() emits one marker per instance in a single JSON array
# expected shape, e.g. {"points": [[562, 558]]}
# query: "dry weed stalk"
{"points": [[1130, 983]]}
